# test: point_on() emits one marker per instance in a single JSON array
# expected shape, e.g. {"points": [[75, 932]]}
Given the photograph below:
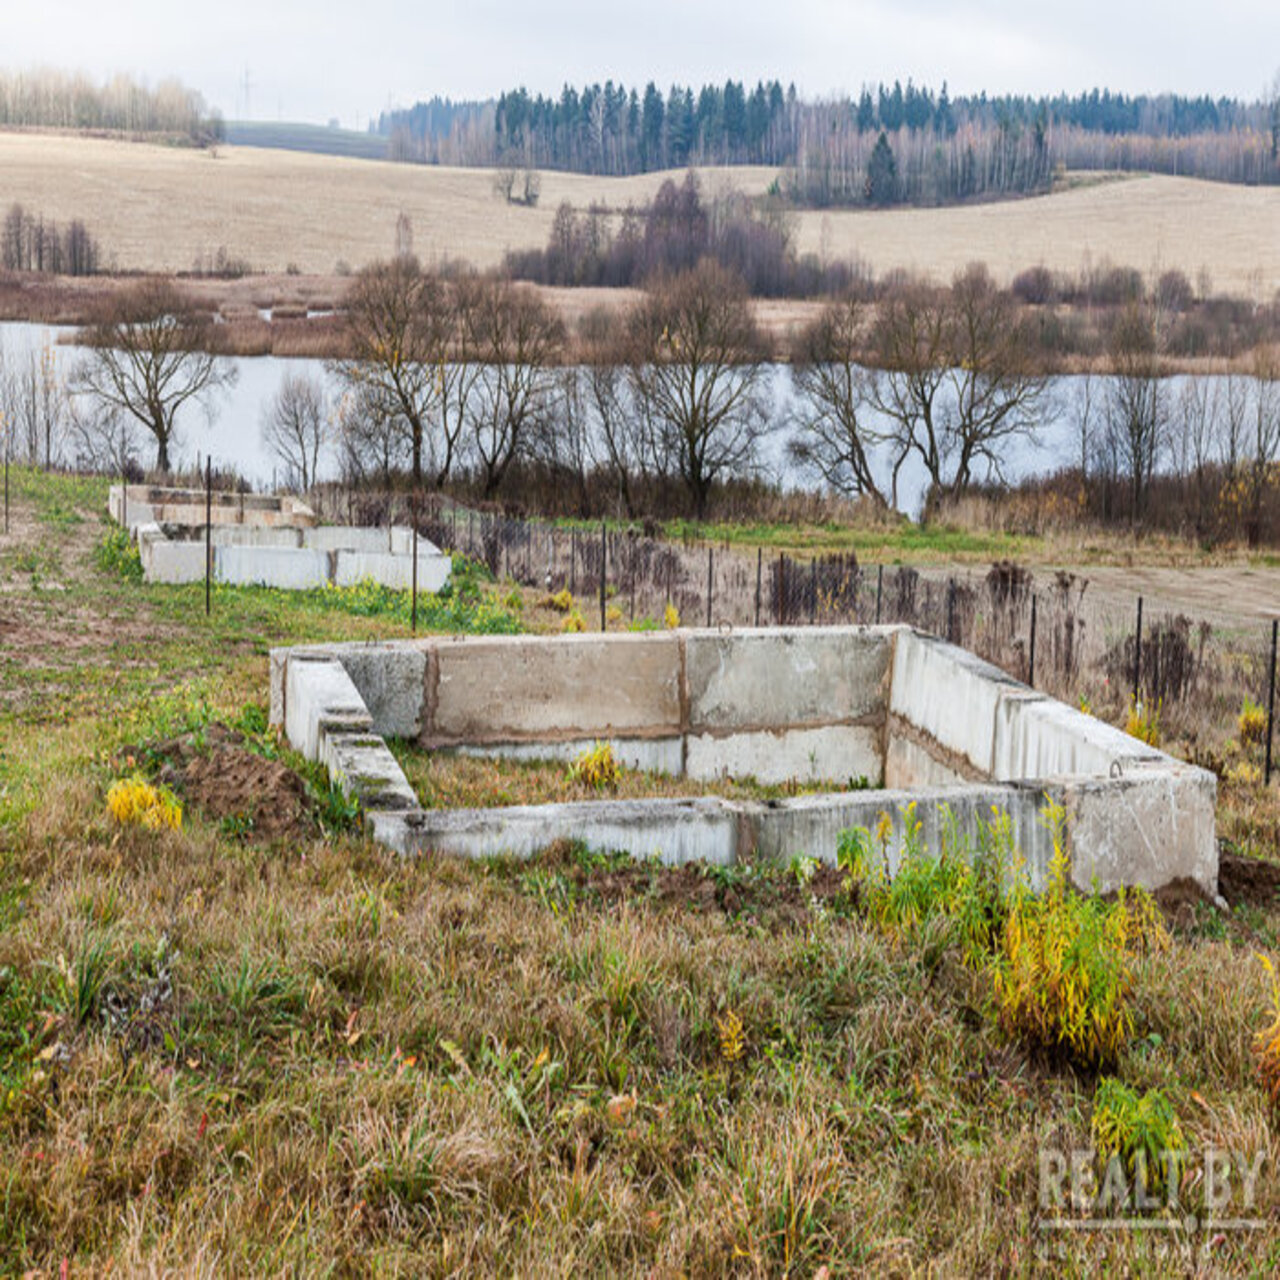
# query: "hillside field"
{"points": [[160, 208]]}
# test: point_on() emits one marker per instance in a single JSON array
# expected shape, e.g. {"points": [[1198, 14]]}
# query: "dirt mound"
{"points": [[264, 799], [1248, 881]]}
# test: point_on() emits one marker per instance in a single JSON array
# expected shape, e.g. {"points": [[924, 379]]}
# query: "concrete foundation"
{"points": [[272, 542], [940, 729]]}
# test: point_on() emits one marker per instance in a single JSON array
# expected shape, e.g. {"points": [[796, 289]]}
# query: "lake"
{"points": [[232, 435]]}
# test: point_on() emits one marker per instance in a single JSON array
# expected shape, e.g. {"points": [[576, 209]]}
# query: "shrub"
{"points": [[574, 622], [1061, 965], [562, 600], [134, 801], [1137, 1129], [1065, 968], [1266, 1044], [1243, 775], [960, 885], [596, 767], [117, 554], [1143, 723], [670, 617], [1251, 722]]}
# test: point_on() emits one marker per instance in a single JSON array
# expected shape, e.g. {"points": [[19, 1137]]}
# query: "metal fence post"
{"points": [[604, 553], [208, 536], [413, 606], [1031, 657], [1271, 698], [1137, 655], [573, 561], [951, 610], [879, 585], [813, 592], [711, 565], [782, 589], [759, 572]]}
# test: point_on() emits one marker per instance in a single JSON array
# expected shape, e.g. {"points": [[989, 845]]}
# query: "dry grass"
{"points": [[158, 208], [1153, 223], [449, 781], [224, 1056]]}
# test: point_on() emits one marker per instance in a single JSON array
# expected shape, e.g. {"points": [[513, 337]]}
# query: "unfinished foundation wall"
{"points": [[939, 729]]}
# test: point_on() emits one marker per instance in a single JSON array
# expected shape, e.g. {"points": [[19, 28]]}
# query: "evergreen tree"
{"points": [[866, 112], [882, 173]]}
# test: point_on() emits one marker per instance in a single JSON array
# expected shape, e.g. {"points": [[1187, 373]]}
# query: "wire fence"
{"points": [[1048, 629]]}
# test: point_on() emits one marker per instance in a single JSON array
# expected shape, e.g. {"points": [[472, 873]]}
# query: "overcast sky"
{"points": [[314, 59]]}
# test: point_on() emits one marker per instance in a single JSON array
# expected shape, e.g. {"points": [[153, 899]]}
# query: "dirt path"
{"points": [[1229, 594], [62, 623]]}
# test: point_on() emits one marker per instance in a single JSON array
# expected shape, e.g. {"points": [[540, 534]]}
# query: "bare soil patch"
{"points": [[1248, 882], [227, 782], [774, 899]]}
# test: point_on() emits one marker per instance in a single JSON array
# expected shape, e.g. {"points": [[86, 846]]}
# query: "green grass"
{"points": [[902, 542], [447, 781], [225, 1056]]}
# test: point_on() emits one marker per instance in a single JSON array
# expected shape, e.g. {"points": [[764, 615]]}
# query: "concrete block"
{"points": [[290, 570], [277, 668], [832, 752], [173, 562], [949, 694], [392, 682], [1150, 827], [1047, 739], [363, 766], [782, 678], [910, 766], [247, 535], [339, 537], [401, 542], [652, 755], [811, 826], [395, 571], [673, 831], [320, 699], [513, 688]]}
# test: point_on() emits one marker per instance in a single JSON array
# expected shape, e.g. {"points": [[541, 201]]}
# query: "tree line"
{"points": [[30, 243], [945, 148], [674, 231], [51, 99], [461, 380]]}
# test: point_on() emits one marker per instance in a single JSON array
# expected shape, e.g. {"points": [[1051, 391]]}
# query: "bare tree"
{"points": [[837, 434], [1236, 394], [296, 428], [629, 447], [1086, 429], [698, 373], [1264, 440], [370, 444], [1137, 412], [516, 341], [910, 346], [34, 398], [959, 379], [101, 438], [148, 357], [1197, 438], [999, 393], [399, 323]]}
